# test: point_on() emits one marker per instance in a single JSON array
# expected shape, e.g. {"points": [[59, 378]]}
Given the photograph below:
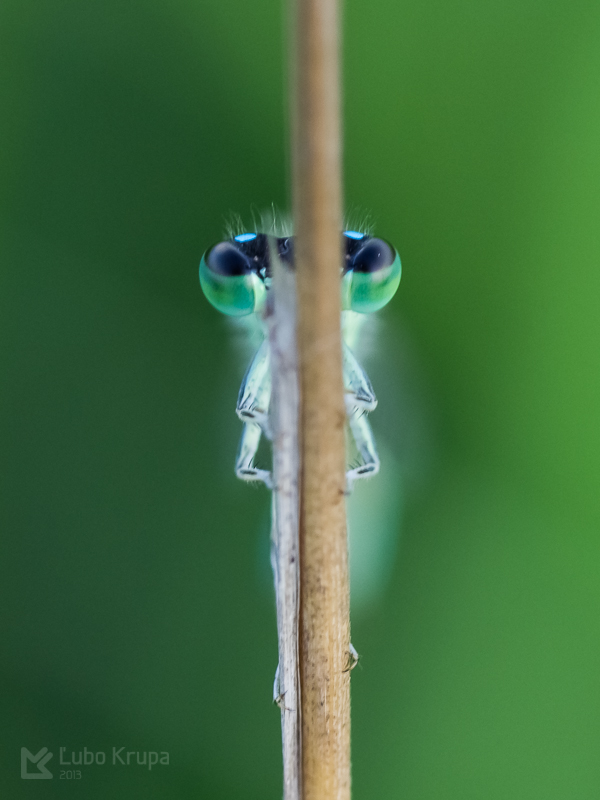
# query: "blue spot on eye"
{"points": [[354, 235], [245, 237]]}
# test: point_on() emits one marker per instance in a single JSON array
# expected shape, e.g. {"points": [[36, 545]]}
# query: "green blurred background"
{"points": [[134, 609]]}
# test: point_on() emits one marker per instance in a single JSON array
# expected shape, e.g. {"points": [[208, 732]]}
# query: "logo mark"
{"points": [[39, 759]]}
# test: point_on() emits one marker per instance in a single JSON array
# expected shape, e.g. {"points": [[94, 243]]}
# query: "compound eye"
{"points": [[225, 259], [372, 277], [372, 256], [229, 282]]}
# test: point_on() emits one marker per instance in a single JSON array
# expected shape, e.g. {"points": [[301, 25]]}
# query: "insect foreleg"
{"points": [[365, 444], [244, 462], [357, 386], [253, 409], [255, 392]]}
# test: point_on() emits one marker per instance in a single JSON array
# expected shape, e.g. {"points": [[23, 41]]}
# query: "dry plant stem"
{"points": [[324, 602], [284, 533]]}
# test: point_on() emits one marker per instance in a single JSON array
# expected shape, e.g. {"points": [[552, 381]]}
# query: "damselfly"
{"points": [[235, 276]]}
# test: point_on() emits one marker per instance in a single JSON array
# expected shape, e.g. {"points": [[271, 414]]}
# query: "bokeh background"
{"points": [[135, 609]]}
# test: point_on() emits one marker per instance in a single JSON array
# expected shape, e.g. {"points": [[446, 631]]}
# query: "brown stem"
{"points": [[324, 606]]}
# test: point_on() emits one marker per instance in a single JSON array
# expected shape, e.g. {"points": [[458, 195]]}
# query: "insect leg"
{"points": [[255, 392], [365, 443], [278, 696], [253, 409], [353, 658], [357, 386], [244, 462]]}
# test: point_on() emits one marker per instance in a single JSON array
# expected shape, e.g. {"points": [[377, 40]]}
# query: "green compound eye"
{"points": [[229, 282], [372, 276]]}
